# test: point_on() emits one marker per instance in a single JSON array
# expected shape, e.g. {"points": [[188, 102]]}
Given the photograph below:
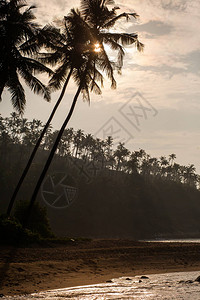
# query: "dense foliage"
{"points": [[121, 193], [18, 136], [12, 232], [37, 222]]}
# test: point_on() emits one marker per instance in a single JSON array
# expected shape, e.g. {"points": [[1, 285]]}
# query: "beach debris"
{"points": [[140, 281], [109, 281], [144, 277], [186, 281], [198, 279], [189, 281], [181, 281], [128, 278]]}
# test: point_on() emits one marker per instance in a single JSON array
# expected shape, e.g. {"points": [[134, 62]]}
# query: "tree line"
{"points": [[19, 133]]}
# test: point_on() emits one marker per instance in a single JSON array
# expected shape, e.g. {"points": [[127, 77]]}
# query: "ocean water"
{"points": [[158, 286], [160, 240]]}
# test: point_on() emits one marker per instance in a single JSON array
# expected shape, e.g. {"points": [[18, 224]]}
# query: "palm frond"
{"points": [[123, 38], [38, 87], [48, 37], [29, 47], [35, 66], [53, 59], [96, 12], [94, 87], [107, 66], [35, 84], [95, 76], [112, 22], [140, 46], [114, 45], [59, 76], [17, 93]]}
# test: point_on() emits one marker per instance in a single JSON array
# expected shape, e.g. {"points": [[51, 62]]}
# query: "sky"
{"points": [[156, 106]]}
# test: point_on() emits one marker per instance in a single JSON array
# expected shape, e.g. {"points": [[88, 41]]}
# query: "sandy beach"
{"points": [[34, 269]]}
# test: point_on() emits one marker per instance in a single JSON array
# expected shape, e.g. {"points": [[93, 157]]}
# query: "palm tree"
{"points": [[93, 57], [69, 50], [121, 153], [21, 39], [16, 29], [172, 157], [189, 175], [88, 143], [77, 141], [132, 164], [108, 151], [83, 36]]}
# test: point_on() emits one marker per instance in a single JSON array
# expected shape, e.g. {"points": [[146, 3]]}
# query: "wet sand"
{"points": [[28, 270]]}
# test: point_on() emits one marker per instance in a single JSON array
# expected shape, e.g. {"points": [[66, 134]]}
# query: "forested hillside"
{"points": [[118, 193]]}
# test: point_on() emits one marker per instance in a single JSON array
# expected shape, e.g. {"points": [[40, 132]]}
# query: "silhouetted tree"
{"points": [[16, 57], [96, 21]]}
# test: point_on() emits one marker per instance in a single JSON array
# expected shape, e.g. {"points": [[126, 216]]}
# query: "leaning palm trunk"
{"points": [[21, 180], [51, 155]]}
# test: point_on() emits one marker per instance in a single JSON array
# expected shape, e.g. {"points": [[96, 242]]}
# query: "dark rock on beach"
{"points": [[198, 279], [189, 281]]}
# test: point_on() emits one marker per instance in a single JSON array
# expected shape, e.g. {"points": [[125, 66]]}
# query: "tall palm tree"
{"points": [[82, 35], [93, 58], [17, 27], [69, 49], [21, 39]]}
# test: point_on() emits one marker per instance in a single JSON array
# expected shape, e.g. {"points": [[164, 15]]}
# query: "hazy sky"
{"points": [[157, 102]]}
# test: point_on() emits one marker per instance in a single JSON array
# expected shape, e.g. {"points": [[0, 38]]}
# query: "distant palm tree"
{"points": [[189, 175], [96, 21], [172, 157], [77, 140], [108, 151], [132, 164], [121, 153], [16, 29], [88, 144]]}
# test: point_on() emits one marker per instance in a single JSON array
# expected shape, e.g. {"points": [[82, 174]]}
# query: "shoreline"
{"points": [[35, 269]]}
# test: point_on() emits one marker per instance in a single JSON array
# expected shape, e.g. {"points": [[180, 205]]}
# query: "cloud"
{"points": [[171, 5], [192, 62], [153, 27], [50, 10]]}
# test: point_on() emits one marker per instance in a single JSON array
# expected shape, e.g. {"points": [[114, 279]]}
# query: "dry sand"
{"points": [[27, 270]]}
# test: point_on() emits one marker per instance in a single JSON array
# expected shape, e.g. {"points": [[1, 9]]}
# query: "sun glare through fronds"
{"points": [[97, 47]]}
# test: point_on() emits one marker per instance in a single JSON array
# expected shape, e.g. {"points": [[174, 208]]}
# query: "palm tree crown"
{"points": [[100, 20], [17, 29]]}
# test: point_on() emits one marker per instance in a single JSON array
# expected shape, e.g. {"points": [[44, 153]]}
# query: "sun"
{"points": [[97, 47]]}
